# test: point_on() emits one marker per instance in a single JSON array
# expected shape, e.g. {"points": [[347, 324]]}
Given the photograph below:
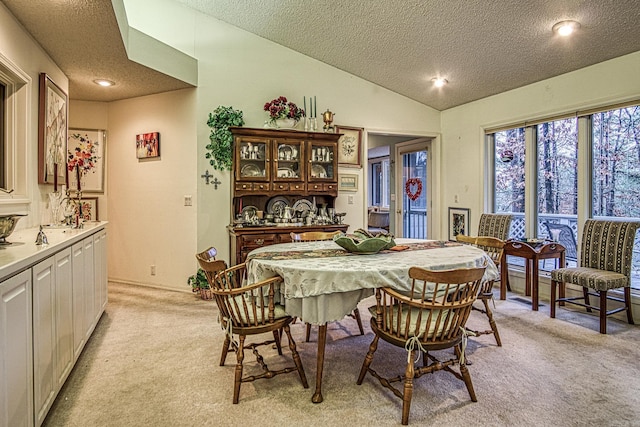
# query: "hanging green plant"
{"points": [[220, 148]]}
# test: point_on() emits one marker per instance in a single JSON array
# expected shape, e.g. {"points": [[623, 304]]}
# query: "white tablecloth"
{"points": [[325, 289]]}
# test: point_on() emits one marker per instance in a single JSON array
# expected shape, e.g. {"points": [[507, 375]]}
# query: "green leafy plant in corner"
{"points": [[220, 148], [198, 281]]}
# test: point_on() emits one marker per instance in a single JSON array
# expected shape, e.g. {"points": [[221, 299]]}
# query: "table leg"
{"points": [[534, 280], [504, 277], [322, 340]]}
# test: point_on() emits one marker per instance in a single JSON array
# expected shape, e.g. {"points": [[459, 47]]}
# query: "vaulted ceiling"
{"points": [[481, 47]]}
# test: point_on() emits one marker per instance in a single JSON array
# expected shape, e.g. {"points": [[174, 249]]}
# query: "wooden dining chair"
{"points": [[316, 236], [431, 316], [605, 264], [494, 248], [249, 309]]}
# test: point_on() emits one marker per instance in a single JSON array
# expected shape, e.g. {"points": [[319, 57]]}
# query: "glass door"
{"points": [[413, 204]]}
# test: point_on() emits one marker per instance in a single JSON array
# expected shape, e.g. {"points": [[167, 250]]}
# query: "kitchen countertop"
{"points": [[23, 252]]}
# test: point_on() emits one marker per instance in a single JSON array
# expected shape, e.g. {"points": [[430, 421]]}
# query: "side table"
{"points": [[532, 253]]}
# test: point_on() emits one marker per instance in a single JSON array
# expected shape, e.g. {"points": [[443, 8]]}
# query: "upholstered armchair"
{"points": [[605, 264]]}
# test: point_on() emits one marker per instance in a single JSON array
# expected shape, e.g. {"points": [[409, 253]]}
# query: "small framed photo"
{"points": [[458, 222], [148, 145], [348, 182], [89, 209], [350, 146]]}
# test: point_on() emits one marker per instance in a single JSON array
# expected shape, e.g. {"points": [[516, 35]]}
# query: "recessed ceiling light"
{"points": [[103, 82], [566, 28], [439, 81]]}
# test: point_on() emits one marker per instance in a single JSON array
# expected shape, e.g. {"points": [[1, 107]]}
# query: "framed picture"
{"points": [[148, 145], [349, 146], [348, 182], [89, 209], [89, 143], [458, 222], [52, 132]]}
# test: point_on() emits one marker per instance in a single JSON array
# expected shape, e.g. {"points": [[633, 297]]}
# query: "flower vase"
{"points": [[284, 123]]}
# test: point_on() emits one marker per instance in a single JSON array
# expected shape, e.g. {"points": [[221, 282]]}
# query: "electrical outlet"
{"points": [[455, 198], [188, 201], [350, 199], [153, 270]]}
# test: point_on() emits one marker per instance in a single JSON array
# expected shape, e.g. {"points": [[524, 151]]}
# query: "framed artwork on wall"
{"points": [[350, 146], [52, 132], [89, 209], [348, 182], [148, 145], [458, 222], [88, 144]]}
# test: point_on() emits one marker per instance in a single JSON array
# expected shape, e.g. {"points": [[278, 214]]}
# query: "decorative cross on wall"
{"points": [[207, 176]]}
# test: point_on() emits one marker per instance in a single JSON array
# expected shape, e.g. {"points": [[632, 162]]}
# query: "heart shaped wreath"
{"points": [[408, 187]]}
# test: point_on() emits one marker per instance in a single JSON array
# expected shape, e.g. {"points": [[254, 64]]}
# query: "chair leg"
{"points": [[552, 299], [492, 322], [467, 381], [562, 292], [368, 359], [603, 312], [407, 393], [296, 357], [627, 304], [308, 332], [225, 349], [585, 294], [356, 315], [277, 337], [238, 378]]}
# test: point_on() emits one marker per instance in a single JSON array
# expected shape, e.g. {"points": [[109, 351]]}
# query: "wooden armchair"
{"points": [[494, 248], [605, 264], [249, 309], [316, 236], [431, 317]]}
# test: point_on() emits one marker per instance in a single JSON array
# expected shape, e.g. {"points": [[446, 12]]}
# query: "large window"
{"points": [[611, 144]]}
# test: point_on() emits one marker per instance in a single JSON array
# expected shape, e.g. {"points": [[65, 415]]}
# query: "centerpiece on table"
{"points": [[283, 113]]}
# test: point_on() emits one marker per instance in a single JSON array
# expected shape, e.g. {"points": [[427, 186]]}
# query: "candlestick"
{"points": [[78, 175], [55, 177]]}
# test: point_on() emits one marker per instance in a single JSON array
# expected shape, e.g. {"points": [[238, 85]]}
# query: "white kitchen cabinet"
{"points": [[80, 318], [16, 371]]}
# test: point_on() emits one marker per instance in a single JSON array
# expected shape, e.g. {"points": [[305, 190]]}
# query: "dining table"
{"points": [[322, 282]]}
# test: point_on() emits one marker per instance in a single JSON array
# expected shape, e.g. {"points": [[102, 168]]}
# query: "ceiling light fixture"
{"points": [[439, 81], [566, 28], [104, 82]]}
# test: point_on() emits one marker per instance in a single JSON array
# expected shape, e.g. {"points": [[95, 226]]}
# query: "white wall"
{"points": [[463, 127], [148, 222], [17, 46]]}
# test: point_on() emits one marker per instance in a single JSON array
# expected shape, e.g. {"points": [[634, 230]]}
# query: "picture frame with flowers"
{"points": [[86, 149]]}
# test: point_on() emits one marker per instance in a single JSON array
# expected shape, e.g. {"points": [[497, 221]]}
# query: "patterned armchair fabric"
{"points": [[495, 225]]}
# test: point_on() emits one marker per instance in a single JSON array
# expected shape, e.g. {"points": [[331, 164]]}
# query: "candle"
{"points": [[305, 105], [55, 177], [66, 176], [315, 107], [78, 175]]}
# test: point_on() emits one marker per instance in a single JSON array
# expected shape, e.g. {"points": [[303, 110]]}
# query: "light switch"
{"points": [[188, 201], [350, 199]]}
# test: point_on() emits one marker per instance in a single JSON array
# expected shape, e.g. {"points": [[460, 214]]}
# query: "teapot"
{"points": [[287, 213]]}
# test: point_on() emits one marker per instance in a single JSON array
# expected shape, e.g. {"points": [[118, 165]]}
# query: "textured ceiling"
{"points": [[482, 47]]}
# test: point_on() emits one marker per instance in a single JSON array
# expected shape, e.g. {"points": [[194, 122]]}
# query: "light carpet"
{"points": [[153, 361]]}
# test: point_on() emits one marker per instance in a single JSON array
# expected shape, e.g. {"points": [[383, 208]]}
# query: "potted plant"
{"points": [[200, 284], [283, 113], [220, 148]]}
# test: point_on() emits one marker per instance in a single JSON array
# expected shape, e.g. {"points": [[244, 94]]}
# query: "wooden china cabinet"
{"points": [[274, 170]]}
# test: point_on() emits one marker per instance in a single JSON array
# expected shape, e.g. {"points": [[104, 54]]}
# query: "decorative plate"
{"points": [[276, 206], [286, 173], [303, 206], [250, 170], [287, 153], [250, 212], [318, 171]]}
